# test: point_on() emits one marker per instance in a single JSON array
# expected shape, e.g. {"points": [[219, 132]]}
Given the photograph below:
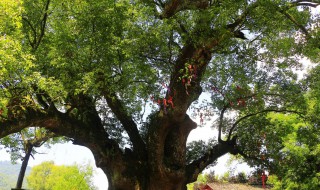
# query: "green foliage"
{"points": [[52, 177], [201, 180], [290, 151], [229, 177], [196, 149], [298, 165], [121, 45], [242, 177], [225, 176]]}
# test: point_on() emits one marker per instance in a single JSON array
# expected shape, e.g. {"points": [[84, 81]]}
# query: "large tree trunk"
{"points": [[146, 177], [164, 164]]}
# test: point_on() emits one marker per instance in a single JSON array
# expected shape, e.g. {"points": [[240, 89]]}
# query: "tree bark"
{"points": [[126, 173]]}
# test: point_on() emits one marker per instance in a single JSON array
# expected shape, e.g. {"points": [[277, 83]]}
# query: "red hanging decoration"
{"points": [[170, 101], [164, 102]]}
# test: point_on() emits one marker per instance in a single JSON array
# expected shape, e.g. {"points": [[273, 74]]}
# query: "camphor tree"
{"points": [[119, 76]]}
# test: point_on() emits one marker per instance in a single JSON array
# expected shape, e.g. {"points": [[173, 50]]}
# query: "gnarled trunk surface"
{"points": [[163, 164]]}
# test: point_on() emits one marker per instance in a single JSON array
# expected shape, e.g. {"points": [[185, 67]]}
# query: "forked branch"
{"points": [[126, 120], [197, 166]]}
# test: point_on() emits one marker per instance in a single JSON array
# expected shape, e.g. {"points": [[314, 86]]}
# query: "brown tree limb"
{"points": [[221, 123], [63, 125], [198, 55], [174, 6], [126, 120], [193, 169], [87, 131], [10, 126], [313, 4], [294, 21]]}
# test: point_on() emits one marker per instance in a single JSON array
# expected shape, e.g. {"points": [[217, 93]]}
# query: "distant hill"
{"points": [[9, 175]]}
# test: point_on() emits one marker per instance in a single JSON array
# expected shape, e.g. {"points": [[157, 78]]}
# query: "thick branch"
{"points": [[185, 90], [39, 141], [313, 4], [185, 85], [10, 126], [293, 20], [221, 123], [174, 6], [197, 166], [129, 125], [63, 125]]}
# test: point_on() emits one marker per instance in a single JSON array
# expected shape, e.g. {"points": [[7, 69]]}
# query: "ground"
{"points": [[230, 186]]}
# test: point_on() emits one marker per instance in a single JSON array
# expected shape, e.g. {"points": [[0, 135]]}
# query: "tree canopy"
{"points": [[124, 77]]}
